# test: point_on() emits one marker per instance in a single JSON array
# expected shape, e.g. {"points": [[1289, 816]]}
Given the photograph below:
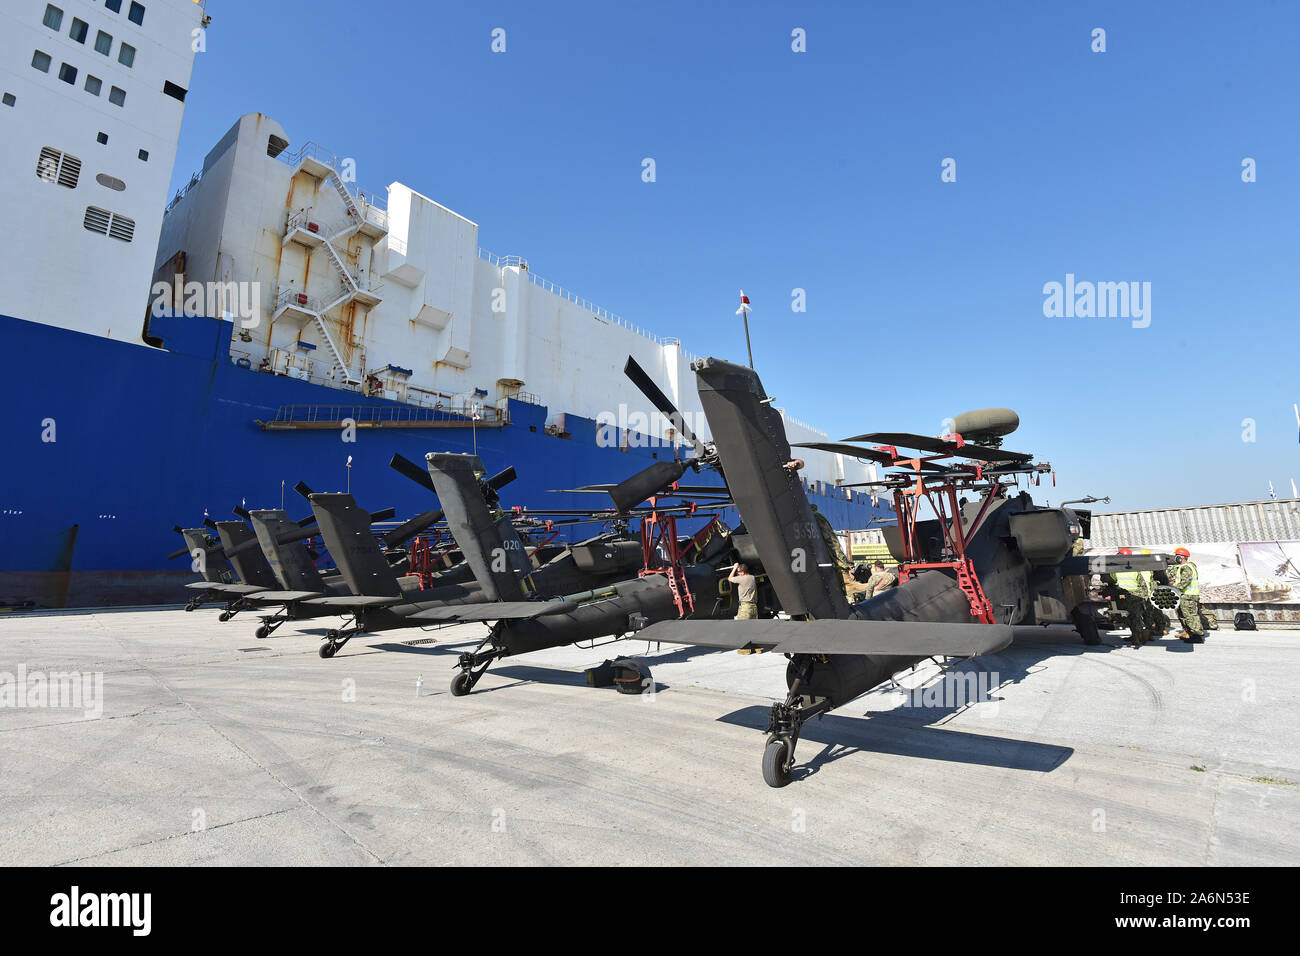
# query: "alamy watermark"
{"points": [[70, 690], [131, 911], [636, 429], [241, 300], [952, 691], [1103, 300]]}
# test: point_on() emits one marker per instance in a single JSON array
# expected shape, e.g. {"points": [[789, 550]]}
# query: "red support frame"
{"points": [[663, 553], [942, 496]]}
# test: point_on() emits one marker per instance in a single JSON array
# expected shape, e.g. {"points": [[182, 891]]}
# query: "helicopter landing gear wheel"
{"points": [[333, 641], [225, 616], [1087, 627], [269, 627], [462, 684], [473, 665], [777, 762]]}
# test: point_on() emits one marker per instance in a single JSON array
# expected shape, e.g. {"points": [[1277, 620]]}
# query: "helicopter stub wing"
{"points": [[495, 611], [287, 596], [225, 588], [355, 600], [837, 636]]}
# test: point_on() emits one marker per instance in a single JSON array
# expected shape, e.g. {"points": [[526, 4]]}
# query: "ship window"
{"points": [[101, 138], [110, 182], [9, 99], [56, 167], [93, 84], [114, 5], [126, 55], [117, 96], [275, 145], [68, 73], [174, 91], [144, 155], [79, 30], [53, 16], [97, 220], [41, 61], [136, 13], [103, 43], [122, 228]]}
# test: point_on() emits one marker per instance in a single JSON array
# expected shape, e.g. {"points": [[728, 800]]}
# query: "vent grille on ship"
{"points": [[56, 167], [110, 224]]}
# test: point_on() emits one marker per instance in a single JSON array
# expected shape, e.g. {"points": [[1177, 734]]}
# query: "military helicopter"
{"points": [[625, 582], [268, 554], [965, 577], [498, 580], [232, 567], [284, 544]]}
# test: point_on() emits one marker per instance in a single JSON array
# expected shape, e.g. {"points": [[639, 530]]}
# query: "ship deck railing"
{"points": [[297, 417], [602, 314]]}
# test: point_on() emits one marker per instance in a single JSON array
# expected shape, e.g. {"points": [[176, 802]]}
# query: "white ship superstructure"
{"points": [[392, 295], [91, 98]]}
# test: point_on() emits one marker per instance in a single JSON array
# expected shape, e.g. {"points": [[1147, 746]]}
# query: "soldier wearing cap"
{"points": [[1184, 577]]}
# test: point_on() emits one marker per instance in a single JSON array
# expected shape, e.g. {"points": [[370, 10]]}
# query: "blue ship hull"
{"points": [[146, 438]]}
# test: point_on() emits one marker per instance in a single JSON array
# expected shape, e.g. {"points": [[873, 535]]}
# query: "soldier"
{"points": [[881, 580], [746, 592], [1184, 577], [1134, 600], [842, 567]]}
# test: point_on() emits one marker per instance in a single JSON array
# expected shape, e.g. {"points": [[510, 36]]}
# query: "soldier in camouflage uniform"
{"points": [[844, 570], [842, 564], [1134, 597], [1185, 578], [881, 579]]}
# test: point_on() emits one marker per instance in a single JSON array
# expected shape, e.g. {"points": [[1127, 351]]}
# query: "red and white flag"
{"points": [[744, 304]]}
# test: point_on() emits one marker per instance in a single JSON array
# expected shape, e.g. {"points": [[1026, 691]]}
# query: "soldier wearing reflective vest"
{"points": [[1184, 577], [1134, 600]]}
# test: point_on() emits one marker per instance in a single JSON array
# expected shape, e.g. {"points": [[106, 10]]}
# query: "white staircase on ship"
{"points": [[364, 218]]}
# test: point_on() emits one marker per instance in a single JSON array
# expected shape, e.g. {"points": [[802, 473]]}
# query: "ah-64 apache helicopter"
{"points": [[966, 577]]}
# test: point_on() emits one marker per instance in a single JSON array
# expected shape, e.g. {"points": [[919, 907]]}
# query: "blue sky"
{"points": [[820, 170]]}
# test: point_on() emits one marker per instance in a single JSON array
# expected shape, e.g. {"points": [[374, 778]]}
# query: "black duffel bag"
{"points": [[628, 674]]}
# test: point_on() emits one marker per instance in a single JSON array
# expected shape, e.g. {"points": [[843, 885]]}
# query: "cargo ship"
{"points": [[270, 322]]}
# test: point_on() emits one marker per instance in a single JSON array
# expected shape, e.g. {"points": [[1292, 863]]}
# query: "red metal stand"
{"points": [[942, 496], [662, 553]]}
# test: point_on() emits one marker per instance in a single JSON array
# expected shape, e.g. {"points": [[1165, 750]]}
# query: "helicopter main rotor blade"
{"points": [[647, 387], [407, 531], [501, 479], [413, 471]]}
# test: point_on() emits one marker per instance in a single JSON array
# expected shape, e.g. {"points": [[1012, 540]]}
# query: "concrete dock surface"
{"points": [[191, 742]]}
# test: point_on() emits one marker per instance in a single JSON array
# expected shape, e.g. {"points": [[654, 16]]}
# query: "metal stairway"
{"points": [[363, 217], [335, 354]]}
